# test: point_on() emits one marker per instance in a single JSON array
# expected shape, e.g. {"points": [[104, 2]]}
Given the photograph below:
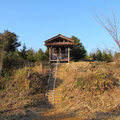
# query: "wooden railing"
{"points": [[60, 57], [55, 79]]}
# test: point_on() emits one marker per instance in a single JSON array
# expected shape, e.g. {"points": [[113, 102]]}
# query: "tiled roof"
{"points": [[59, 35]]}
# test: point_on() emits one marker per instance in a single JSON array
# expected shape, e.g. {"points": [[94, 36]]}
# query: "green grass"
{"points": [[66, 70], [64, 97], [79, 82], [64, 89]]}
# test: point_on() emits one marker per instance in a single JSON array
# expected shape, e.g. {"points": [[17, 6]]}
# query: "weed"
{"points": [[95, 82], [81, 67], [64, 97], [91, 76], [88, 89], [1, 90], [79, 81], [100, 75], [71, 61], [64, 89], [66, 70], [92, 63], [97, 88], [63, 105], [107, 67]]}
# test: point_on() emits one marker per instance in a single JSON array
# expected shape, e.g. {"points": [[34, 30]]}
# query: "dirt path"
{"points": [[53, 114], [59, 117]]}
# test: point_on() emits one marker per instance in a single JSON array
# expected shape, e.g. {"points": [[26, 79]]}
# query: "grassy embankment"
{"points": [[91, 89], [23, 87]]}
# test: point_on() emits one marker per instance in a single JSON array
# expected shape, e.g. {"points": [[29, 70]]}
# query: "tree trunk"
{"points": [[1, 59]]}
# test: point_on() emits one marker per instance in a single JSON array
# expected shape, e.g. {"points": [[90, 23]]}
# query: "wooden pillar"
{"points": [[49, 54], [59, 50], [60, 54], [68, 54]]}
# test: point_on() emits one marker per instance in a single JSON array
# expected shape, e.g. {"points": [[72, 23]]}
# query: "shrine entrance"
{"points": [[59, 46]]}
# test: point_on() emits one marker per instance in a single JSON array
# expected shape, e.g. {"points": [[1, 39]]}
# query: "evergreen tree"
{"points": [[23, 52], [99, 55], [94, 56], [47, 55], [78, 52], [31, 55], [8, 44], [104, 56], [39, 56], [11, 40]]}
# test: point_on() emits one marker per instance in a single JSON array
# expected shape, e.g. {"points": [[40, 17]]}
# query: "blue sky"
{"points": [[35, 21]]}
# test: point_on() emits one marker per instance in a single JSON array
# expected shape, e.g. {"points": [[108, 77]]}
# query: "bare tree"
{"points": [[110, 24]]}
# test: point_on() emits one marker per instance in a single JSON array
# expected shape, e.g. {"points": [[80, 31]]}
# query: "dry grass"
{"points": [[25, 88], [91, 89]]}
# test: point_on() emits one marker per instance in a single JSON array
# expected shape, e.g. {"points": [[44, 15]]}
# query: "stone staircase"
{"points": [[57, 91]]}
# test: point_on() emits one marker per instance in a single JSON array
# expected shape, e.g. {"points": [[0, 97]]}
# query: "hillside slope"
{"points": [[91, 90], [24, 89]]}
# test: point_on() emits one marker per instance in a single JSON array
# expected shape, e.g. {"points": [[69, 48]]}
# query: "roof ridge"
{"points": [[59, 35]]}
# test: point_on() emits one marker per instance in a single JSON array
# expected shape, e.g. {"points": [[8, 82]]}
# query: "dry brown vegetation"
{"points": [[25, 88], [91, 90]]}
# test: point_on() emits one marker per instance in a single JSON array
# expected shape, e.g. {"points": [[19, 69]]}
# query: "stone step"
{"points": [[56, 87], [51, 98], [55, 97], [57, 91], [55, 101], [56, 84], [55, 94], [51, 102], [57, 104]]}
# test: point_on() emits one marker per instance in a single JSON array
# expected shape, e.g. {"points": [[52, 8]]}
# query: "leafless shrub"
{"points": [[110, 25]]}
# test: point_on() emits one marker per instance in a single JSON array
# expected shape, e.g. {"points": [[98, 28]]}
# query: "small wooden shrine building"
{"points": [[59, 46]]}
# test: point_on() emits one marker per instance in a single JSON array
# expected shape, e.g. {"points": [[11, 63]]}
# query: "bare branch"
{"points": [[109, 24]]}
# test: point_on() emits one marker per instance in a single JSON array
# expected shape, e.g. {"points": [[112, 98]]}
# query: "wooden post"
{"points": [[49, 54], [68, 54], [60, 54]]}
